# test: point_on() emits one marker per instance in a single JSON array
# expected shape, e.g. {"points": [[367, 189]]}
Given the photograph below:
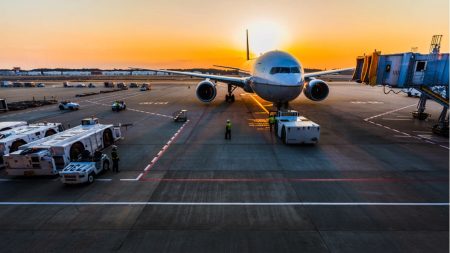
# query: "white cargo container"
{"points": [[295, 129], [11, 124], [47, 156], [11, 140]]}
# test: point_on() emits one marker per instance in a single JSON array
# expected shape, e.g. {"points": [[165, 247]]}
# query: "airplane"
{"points": [[276, 76]]}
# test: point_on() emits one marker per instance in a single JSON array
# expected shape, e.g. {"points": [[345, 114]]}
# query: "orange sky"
{"points": [[198, 33]]}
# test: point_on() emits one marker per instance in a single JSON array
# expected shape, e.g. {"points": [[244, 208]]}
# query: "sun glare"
{"points": [[265, 36]]}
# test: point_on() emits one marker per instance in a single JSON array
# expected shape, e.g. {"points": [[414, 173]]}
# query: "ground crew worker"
{"points": [[115, 159], [228, 130], [271, 122]]}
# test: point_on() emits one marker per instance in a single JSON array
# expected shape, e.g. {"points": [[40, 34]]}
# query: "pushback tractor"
{"points": [[292, 128]]}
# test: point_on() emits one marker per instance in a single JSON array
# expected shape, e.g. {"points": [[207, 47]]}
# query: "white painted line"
{"points": [[139, 176], [103, 179], [137, 203], [394, 119], [425, 139], [154, 160], [396, 110], [165, 147], [159, 153], [129, 179]]}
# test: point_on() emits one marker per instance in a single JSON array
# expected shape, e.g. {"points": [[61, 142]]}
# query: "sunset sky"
{"points": [[200, 33]]}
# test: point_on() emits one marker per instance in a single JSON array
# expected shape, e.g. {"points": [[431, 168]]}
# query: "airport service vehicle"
{"points": [[275, 76], [91, 85], [292, 128], [3, 106], [180, 116], [17, 84], [12, 139], [7, 125], [122, 86], [109, 84], [67, 85], [118, 106], [29, 85], [6, 84], [40, 85], [134, 85], [49, 155], [145, 87], [67, 105], [85, 169], [81, 85]]}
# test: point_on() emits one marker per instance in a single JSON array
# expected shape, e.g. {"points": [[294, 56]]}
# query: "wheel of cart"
{"points": [[91, 178]]}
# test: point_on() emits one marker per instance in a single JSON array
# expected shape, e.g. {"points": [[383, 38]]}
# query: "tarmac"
{"points": [[377, 181]]}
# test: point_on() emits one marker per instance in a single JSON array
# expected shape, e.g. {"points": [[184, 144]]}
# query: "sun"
{"points": [[265, 36]]}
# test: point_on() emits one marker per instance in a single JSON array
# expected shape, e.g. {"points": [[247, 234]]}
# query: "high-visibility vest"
{"points": [[228, 126], [114, 155], [271, 120]]}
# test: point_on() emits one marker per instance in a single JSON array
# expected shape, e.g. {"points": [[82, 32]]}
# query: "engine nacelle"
{"points": [[316, 90], [206, 91]]}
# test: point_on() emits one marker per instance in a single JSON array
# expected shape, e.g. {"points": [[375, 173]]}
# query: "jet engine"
{"points": [[316, 90], [206, 91]]}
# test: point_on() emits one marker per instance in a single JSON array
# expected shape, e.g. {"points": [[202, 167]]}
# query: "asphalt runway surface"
{"points": [[378, 181]]}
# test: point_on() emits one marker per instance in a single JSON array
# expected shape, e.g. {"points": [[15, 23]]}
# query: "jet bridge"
{"points": [[428, 73]]}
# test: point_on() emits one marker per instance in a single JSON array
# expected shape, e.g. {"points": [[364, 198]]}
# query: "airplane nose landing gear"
{"points": [[282, 106], [229, 98]]}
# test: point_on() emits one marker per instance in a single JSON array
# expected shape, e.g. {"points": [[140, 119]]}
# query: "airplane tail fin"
{"points": [[248, 50]]}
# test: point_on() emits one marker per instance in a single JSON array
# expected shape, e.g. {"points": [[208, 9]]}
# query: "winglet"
{"points": [[248, 50]]}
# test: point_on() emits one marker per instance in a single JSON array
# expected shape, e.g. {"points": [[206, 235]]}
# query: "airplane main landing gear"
{"points": [[229, 98]]}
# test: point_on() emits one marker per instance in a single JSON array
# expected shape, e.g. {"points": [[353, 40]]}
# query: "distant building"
{"points": [[76, 73], [6, 72], [51, 73], [116, 72], [142, 73]]}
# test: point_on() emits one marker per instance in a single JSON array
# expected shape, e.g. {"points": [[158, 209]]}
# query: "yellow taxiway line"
{"points": [[260, 105]]}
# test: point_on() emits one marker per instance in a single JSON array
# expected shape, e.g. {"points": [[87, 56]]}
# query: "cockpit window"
{"points": [[295, 70], [284, 70]]}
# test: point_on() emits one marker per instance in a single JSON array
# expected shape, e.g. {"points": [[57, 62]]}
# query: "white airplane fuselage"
{"points": [[277, 77]]}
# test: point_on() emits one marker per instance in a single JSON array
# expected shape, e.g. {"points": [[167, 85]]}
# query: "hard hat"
{"points": [[228, 120]]}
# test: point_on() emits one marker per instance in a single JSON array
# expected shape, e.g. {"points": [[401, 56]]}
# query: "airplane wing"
{"points": [[238, 81], [240, 71], [320, 73]]}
